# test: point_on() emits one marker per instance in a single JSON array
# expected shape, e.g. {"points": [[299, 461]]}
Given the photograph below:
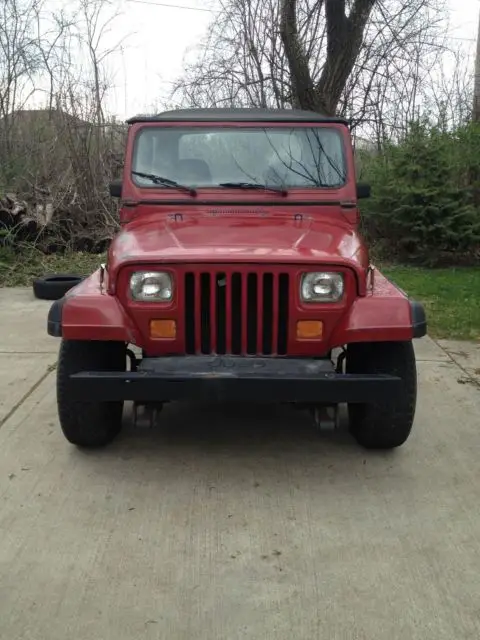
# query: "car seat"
{"points": [[194, 170]]}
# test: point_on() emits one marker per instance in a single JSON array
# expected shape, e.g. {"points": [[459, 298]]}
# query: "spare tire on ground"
{"points": [[55, 286]]}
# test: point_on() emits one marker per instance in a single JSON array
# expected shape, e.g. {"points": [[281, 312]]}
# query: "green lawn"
{"points": [[451, 298], [20, 270]]}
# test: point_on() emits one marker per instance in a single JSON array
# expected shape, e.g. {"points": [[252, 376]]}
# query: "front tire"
{"points": [[388, 424], [88, 424]]}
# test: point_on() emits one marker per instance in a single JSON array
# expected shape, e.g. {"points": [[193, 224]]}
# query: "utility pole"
{"points": [[476, 90]]}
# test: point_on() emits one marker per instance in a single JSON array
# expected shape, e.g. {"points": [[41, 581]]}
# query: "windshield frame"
{"points": [[213, 189]]}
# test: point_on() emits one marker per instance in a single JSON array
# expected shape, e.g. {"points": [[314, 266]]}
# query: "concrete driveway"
{"points": [[243, 523]]}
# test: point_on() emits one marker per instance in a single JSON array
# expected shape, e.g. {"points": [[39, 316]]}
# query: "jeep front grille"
{"points": [[238, 313]]}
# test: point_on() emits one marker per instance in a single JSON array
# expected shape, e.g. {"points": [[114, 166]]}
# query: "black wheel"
{"points": [[54, 287], [88, 424], [386, 425]]}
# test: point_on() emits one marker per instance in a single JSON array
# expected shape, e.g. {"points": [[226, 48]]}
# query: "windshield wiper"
{"points": [[165, 182], [253, 185]]}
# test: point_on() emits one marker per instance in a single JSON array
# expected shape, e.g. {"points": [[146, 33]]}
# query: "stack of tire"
{"points": [[55, 286]]}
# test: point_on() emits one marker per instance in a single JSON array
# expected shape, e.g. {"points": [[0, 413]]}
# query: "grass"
{"points": [[451, 296], [19, 270]]}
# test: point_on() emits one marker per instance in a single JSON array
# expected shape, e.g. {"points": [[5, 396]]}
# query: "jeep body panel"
{"points": [[89, 312], [236, 258], [266, 236]]}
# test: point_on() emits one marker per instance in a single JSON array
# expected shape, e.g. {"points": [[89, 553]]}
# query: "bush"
{"points": [[425, 207], [54, 173]]}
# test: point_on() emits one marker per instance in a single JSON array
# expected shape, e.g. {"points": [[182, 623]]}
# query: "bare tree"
{"points": [[400, 64], [19, 61], [345, 36], [242, 60], [53, 42], [59, 159], [92, 140], [348, 57], [447, 97]]}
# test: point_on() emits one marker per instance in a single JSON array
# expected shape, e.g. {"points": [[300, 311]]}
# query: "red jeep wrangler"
{"points": [[238, 274]]}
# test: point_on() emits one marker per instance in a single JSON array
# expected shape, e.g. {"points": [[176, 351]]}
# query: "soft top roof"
{"points": [[237, 115]]}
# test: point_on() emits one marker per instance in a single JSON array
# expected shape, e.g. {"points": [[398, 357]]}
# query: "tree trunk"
{"points": [[303, 91], [476, 92], [344, 40]]}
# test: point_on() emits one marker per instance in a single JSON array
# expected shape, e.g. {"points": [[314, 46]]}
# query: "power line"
{"points": [[204, 10], [457, 9], [461, 39], [171, 6]]}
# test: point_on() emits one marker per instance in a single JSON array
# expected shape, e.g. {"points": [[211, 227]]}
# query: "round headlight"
{"points": [[154, 286], [322, 287]]}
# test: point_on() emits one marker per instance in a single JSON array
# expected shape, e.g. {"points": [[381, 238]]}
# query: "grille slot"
{"points": [[236, 313]]}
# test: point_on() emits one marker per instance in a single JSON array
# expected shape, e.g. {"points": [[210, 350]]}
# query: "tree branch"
{"points": [[302, 84]]}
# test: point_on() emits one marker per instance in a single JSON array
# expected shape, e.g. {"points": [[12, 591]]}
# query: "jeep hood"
{"points": [[238, 238]]}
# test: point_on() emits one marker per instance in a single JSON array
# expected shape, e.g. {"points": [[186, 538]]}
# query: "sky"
{"points": [[155, 39]]}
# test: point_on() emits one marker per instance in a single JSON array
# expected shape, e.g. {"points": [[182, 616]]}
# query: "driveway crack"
{"points": [[471, 378], [32, 389]]}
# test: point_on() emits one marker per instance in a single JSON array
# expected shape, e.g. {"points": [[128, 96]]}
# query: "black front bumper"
{"points": [[230, 378]]}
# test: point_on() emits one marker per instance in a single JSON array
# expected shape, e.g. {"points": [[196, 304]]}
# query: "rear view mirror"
{"points": [[364, 191], [116, 189]]}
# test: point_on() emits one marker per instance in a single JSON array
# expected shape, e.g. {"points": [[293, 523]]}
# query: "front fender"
{"points": [[385, 314], [88, 312]]}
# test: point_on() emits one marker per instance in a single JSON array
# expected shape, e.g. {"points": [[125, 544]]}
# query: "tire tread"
{"points": [[88, 424], [384, 426]]}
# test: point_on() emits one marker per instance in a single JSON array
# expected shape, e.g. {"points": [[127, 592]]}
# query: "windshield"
{"points": [[305, 157]]}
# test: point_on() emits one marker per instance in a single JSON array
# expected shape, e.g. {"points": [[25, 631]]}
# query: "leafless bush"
{"points": [[56, 162]]}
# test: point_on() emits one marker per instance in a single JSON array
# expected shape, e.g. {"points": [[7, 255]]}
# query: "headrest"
{"points": [[195, 169]]}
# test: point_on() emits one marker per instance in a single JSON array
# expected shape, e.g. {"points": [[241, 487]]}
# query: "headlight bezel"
{"points": [[307, 278], [151, 274], [304, 276]]}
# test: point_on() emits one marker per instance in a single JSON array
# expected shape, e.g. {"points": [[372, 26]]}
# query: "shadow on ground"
{"points": [[211, 428], [233, 442]]}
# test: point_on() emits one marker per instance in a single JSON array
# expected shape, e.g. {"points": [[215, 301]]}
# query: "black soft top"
{"points": [[237, 115]]}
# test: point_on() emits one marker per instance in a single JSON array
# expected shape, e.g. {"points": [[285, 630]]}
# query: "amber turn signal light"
{"points": [[163, 329], [309, 329]]}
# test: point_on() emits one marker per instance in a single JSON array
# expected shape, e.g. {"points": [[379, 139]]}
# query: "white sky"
{"points": [[154, 52], [158, 37]]}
